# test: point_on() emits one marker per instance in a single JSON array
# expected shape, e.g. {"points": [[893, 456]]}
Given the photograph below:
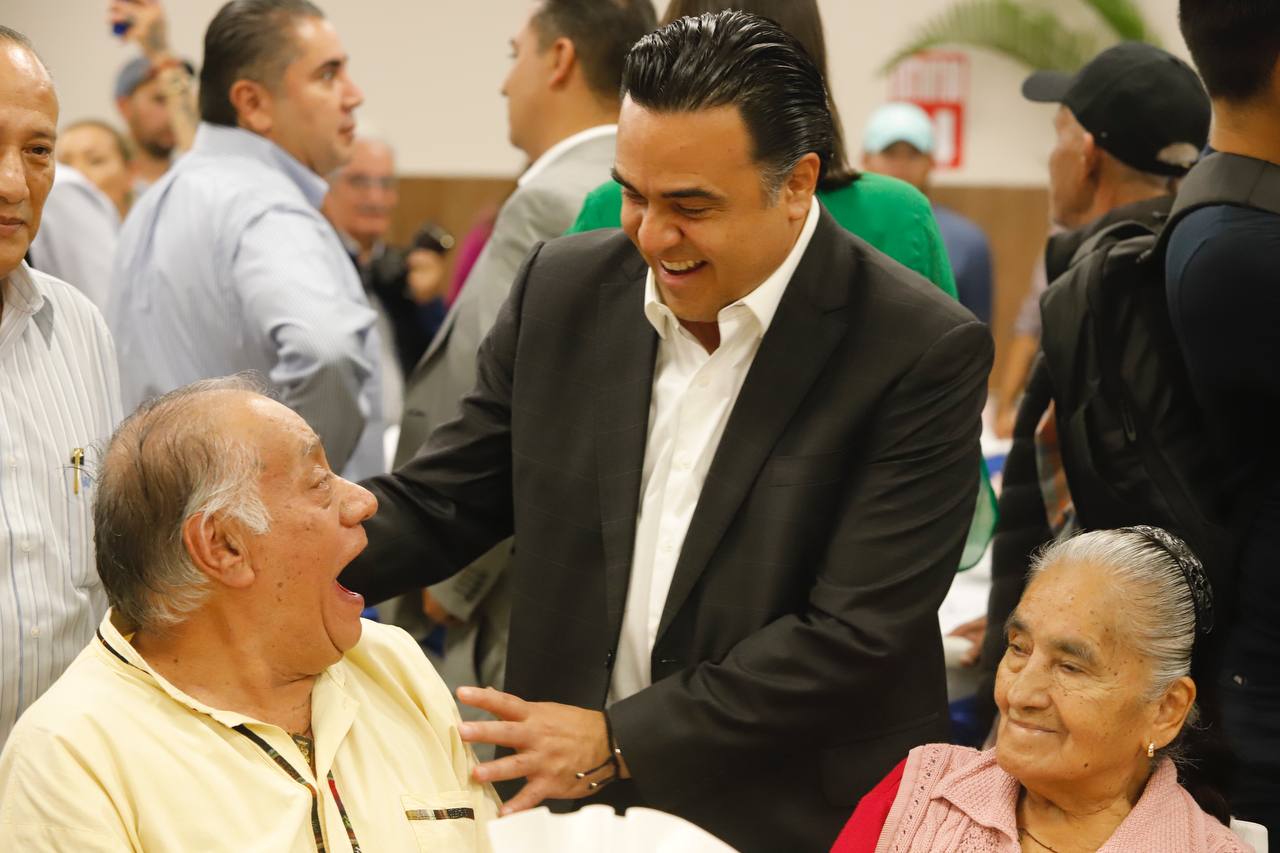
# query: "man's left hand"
{"points": [[553, 743]]}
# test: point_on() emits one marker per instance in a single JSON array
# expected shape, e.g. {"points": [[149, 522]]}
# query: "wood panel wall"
{"points": [[1016, 221], [453, 203]]}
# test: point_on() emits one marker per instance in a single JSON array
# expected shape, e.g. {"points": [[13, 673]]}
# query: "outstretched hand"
{"points": [[553, 743]]}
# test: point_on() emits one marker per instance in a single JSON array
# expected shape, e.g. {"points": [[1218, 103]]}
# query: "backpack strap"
{"points": [[1222, 179], [1113, 233]]}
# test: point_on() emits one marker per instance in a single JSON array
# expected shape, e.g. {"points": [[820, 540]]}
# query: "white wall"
{"points": [[431, 71]]}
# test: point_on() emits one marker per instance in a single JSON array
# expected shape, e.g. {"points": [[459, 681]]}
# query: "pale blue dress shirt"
{"points": [[226, 264]]}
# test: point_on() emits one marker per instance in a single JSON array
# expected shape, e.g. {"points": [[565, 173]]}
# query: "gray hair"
{"points": [[167, 463], [1160, 621]]}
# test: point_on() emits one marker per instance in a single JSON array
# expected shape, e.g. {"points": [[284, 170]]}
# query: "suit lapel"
{"points": [[626, 347], [793, 352]]}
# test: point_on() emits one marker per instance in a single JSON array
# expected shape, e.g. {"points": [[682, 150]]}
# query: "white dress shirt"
{"points": [[59, 393], [78, 233], [693, 393]]}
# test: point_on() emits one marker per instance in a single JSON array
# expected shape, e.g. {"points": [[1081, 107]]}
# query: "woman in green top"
{"points": [[891, 215]]}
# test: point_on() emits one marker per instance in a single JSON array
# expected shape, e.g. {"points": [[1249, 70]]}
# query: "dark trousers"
{"points": [[1251, 725]]}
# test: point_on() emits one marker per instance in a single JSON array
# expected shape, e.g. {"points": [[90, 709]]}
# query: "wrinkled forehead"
{"points": [[275, 429], [1076, 599], [709, 145]]}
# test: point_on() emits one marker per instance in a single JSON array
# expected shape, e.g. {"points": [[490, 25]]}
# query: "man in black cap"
{"points": [[1130, 124]]}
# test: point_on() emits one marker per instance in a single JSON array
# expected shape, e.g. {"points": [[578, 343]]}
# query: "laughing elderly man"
{"points": [[233, 698]]}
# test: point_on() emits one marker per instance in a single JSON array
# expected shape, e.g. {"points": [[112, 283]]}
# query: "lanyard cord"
{"points": [[287, 768], [315, 797]]}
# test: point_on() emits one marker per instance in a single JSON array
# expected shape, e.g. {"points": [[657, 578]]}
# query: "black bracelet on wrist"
{"points": [[615, 751], [613, 761]]}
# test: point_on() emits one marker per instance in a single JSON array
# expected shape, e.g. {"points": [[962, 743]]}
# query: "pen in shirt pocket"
{"points": [[77, 468]]}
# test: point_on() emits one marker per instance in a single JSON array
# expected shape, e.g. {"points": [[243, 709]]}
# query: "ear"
{"points": [[562, 58], [802, 183], [254, 105], [1171, 712], [1090, 154], [217, 546], [125, 107]]}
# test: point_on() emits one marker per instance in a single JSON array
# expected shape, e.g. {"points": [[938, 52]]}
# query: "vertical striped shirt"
{"points": [[59, 399], [227, 264]]}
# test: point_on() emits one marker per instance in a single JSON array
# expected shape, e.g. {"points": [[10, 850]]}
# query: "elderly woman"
{"points": [[1093, 693]]}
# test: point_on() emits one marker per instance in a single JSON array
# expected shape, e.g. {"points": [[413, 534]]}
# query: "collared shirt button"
{"points": [[12, 460], [35, 630], [684, 461], [666, 546], [27, 547], [703, 382]]}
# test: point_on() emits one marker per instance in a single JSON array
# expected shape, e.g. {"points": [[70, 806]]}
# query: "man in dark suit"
{"points": [[738, 451]]}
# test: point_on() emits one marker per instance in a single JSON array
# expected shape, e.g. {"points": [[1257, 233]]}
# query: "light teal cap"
{"points": [[898, 122]]}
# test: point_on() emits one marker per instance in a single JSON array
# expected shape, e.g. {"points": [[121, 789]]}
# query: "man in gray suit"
{"points": [[562, 111]]}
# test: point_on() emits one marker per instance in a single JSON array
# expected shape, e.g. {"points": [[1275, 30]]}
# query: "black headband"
{"points": [[1192, 571]]}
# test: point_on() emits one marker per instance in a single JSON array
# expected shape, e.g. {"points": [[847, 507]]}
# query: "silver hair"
{"points": [[1160, 617], [362, 137], [167, 463]]}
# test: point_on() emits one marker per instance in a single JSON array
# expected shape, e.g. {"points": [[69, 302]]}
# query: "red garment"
{"points": [[862, 832]]}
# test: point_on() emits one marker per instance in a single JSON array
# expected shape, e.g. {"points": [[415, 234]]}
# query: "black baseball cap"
{"points": [[1143, 105]]}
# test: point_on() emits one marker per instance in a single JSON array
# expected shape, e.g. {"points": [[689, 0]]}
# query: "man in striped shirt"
{"points": [[59, 399]]}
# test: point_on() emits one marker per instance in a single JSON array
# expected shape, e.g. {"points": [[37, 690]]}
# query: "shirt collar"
{"points": [[114, 633], [24, 294], [555, 152], [220, 140], [762, 302], [989, 796]]}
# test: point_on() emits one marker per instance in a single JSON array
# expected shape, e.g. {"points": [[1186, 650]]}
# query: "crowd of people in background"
{"points": [[665, 485]]}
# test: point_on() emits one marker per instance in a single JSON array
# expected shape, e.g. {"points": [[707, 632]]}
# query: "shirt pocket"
{"points": [[75, 474], [442, 821]]}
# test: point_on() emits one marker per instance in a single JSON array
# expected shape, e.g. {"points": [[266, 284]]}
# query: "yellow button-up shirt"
{"points": [[114, 757]]}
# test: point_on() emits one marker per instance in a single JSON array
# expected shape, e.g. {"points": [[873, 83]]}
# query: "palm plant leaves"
{"points": [[1124, 18], [1031, 35]]}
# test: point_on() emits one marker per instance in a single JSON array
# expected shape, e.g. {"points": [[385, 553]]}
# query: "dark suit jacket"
{"points": [[798, 656]]}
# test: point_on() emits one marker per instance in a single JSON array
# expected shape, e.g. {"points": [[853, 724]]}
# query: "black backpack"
{"points": [[1134, 442]]}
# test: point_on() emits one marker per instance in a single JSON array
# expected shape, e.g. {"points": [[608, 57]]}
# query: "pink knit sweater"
{"points": [[957, 800]]}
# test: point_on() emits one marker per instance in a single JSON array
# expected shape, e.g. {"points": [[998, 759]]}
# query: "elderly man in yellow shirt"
{"points": [[233, 698]]}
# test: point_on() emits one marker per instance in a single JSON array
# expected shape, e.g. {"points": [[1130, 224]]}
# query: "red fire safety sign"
{"points": [[938, 82]]}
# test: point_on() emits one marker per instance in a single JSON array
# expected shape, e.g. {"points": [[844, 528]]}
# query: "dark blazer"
{"points": [[798, 657]]}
